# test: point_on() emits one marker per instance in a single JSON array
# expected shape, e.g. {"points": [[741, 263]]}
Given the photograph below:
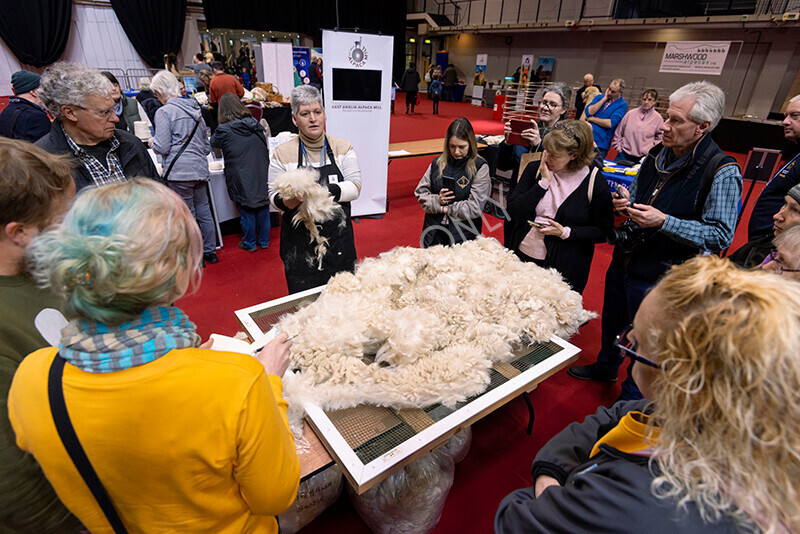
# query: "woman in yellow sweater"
{"points": [[181, 438]]}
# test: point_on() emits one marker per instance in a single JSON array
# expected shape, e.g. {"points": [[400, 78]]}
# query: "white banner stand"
{"points": [[357, 86], [278, 66]]}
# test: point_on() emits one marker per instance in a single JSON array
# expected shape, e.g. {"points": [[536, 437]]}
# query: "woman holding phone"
{"points": [[562, 205], [552, 108], [454, 189]]}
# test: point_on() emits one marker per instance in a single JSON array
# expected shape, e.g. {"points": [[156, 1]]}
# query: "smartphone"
{"points": [[449, 183], [537, 225], [517, 126]]}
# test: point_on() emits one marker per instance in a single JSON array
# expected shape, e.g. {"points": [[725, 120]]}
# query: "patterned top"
{"points": [[715, 230], [100, 175]]}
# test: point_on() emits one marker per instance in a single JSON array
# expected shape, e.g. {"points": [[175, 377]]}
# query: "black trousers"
{"points": [[411, 99]]}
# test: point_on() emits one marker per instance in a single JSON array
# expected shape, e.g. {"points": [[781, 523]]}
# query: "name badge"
{"points": [[333, 179]]}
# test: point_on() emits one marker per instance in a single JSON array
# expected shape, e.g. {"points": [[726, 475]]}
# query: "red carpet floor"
{"points": [[501, 454]]}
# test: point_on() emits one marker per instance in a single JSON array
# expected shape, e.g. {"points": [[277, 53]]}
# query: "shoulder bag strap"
{"points": [[591, 183], [185, 144], [72, 444]]}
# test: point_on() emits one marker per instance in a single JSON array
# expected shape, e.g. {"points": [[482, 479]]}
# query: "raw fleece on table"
{"points": [[318, 206], [414, 327]]}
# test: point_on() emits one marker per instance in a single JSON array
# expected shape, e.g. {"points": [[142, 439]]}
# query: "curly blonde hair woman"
{"points": [[726, 400], [716, 449]]}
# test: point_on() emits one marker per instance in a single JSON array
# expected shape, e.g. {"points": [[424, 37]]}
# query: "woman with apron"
{"points": [[338, 171]]}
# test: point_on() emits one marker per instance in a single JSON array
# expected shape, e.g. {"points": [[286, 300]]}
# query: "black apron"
{"points": [[300, 264]]}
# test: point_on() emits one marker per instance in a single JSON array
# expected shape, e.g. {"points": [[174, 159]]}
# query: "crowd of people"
{"points": [[702, 437]]}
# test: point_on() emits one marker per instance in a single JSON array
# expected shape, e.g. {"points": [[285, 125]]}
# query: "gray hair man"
{"points": [[79, 98], [788, 176], [785, 259], [337, 169], [683, 202]]}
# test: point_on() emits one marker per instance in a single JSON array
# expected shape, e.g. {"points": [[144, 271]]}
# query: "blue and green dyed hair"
{"points": [[120, 249]]}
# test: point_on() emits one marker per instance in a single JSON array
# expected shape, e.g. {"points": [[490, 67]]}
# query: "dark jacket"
{"points": [[244, 148], [588, 223], [23, 120], [132, 155], [130, 114], [149, 103], [410, 81], [772, 198], [683, 196], [609, 492], [450, 77], [752, 253]]}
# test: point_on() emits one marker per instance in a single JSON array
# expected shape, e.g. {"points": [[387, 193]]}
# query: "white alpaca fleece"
{"points": [[414, 327], [318, 206]]}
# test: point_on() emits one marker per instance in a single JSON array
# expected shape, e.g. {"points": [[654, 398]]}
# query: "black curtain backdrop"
{"points": [[36, 31], [154, 27], [312, 16]]}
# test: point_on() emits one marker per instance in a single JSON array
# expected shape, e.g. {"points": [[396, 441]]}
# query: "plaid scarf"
{"points": [[95, 347]]}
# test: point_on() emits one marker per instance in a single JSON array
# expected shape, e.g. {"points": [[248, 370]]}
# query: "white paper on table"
{"points": [[399, 152], [231, 344]]}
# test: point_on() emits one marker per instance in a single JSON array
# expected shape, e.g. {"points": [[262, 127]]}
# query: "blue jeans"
{"points": [[621, 156], [195, 194], [436, 104], [255, 221], [621, 300]]}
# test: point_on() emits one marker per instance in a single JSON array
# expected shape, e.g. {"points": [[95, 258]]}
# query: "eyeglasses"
{"points": [[102, 113], [549, 105], [780, 264], [628, 348]]}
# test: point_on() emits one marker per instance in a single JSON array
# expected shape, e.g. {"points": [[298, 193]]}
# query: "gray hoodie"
{"points": [[174, 122]]}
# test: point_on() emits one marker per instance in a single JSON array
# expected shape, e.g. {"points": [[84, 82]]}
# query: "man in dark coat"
{"points": [[410, 84], [24, 117], [771, 198], [450, 80], [85, 128]]}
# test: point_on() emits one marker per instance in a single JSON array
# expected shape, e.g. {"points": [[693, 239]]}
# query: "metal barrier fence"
{"points": [[522, 100], [129, 78]]}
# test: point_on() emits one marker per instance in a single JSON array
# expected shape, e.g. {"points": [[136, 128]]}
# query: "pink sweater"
{"points": [[638, 132]]}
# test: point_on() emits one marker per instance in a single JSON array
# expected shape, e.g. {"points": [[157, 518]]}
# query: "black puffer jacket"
{"points": [[608, 492], [244, 148]]}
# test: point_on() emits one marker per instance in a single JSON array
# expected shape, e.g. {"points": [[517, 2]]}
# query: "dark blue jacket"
{"points": [[24, 120], [609, 492], [244, 148]]}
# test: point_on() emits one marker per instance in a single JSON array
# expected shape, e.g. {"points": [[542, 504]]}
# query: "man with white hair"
{"points": [[771, 198], [683, 202], [785, 259], [79, 98]]}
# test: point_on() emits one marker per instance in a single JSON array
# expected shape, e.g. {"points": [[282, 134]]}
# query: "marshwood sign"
{"points": [[697, 57]]}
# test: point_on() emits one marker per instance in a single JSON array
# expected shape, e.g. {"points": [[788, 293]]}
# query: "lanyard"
{"points": [[788, 165], [322, 155]]}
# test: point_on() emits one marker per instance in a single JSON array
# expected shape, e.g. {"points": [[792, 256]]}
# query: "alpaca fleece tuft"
{"points": [[318, 206], [414, 327]]}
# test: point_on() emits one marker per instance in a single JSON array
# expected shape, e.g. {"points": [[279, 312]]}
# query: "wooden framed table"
{"points": [[425, 147], [371, 442]]}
